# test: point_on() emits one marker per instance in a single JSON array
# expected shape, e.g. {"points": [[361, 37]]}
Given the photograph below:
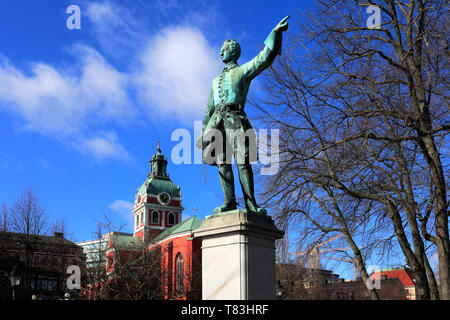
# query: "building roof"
{"points": [[403, 274], [155, 185], [37, 239], [126, 241], [187, 225]]}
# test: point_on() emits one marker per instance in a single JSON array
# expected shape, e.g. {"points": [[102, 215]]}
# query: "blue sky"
{"points": [[81, 111]]}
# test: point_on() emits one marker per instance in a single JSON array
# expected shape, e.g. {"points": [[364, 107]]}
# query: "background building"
{"points": [[403, 274], [42, 263], [299, 283]]}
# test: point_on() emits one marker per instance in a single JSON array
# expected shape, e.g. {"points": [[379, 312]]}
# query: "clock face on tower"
{"points": [[164, 198]]}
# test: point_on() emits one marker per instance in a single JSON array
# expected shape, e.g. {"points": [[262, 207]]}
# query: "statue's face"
{"points": [[225, 52]]}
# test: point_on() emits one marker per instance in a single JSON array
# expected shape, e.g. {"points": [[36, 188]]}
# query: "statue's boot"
{"points": [[248, 189], [227, 181]]}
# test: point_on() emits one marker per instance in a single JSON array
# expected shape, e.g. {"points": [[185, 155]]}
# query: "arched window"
{"points": [[155, 217], [179, 276], [171, 219]]}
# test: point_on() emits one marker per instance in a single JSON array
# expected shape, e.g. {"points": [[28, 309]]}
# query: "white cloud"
{"points": [[104, 15], [61, 102], [114, 27], [123, 207], [103, 145], [103, 87], [42, 99], [178, 66], [64, 103]]}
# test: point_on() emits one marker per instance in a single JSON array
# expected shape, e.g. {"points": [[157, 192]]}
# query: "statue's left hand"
{"points": [[282, 25]]}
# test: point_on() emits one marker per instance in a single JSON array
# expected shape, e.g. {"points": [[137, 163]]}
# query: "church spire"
{"points": [[158, 164], [157, 201]]}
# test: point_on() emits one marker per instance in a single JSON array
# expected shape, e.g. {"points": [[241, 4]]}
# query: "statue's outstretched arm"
{"points": [[266, 57]]}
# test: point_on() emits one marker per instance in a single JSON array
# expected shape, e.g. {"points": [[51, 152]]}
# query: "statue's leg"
{"points": [[227, 181], [248, 189]]}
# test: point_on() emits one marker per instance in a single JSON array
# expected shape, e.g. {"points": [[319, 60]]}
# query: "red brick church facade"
{"points": [[158, 226]]}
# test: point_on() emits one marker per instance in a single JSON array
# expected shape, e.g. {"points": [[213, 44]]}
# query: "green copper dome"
{"points": [[158, 180], [156, 185]]}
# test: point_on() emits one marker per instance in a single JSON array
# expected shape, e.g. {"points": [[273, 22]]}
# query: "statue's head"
{"points": [[230, 51]]}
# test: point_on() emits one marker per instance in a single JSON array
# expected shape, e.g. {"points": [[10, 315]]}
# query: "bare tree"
{"points": [[123, 267], [4, 217], [137, 272], [97, 275], [363, 115], [96, 263], [60, 226], [28, 215]]}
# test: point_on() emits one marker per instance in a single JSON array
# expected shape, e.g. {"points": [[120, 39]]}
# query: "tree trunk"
{"points": [[421, 281], [434, 290]]}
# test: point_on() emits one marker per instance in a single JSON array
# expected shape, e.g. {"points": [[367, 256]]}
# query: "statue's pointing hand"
{"points": [[282, 25]]}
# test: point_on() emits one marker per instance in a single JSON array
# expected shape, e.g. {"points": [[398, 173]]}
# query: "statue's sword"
{"points": [[203, 163]]}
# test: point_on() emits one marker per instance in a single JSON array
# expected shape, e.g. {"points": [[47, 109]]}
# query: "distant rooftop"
{"points": [[402, 273], [58, 238], [187, 225]]}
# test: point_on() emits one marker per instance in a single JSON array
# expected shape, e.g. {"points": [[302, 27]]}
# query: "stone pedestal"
{"points": [[238, 256]]}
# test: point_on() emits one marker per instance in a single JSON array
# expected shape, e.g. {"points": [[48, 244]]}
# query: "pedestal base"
{"points": [[238, 256]]}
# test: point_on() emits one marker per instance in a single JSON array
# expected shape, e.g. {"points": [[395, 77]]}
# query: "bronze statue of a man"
{"points": [[225, 115]]}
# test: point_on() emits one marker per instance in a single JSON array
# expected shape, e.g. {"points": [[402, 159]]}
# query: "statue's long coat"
{"points": [[231, 87]]}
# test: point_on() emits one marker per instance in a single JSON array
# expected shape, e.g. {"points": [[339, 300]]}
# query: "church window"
{"points": [[171, 219], [179, 275], [155, 217]]}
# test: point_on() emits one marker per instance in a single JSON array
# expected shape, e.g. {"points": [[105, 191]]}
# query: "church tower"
{"points": [[157, 202]]}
